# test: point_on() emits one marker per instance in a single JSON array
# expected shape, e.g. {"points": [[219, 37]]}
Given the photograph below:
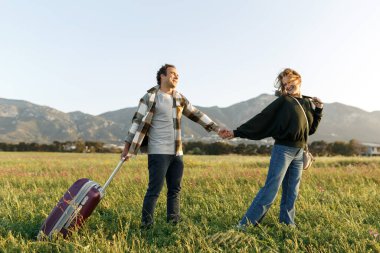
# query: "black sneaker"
{"points": [[146, 225], [174, 220]]}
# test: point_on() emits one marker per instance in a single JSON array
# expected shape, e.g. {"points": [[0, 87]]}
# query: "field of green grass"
{"points": [[338, 209]]}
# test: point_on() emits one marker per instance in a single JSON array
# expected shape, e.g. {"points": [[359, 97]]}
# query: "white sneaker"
{"points": [[240, 227]]}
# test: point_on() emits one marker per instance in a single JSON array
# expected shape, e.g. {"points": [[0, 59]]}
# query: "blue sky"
{"points": [[99, 56]]}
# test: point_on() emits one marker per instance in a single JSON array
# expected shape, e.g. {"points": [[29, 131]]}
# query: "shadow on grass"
{"points": [[108, 220], [27, 228]]}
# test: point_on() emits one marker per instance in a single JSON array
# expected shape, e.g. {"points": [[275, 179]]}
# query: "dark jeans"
{"points": [[161, 167]]}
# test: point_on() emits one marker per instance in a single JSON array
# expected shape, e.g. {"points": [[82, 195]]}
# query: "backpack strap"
{"points": [[307, 121]]}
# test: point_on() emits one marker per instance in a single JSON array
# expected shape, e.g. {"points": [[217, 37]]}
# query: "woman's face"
{"points": [[291, 85]]}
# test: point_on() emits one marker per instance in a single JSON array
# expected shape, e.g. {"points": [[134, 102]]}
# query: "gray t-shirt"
{"points": [[161, 131]]}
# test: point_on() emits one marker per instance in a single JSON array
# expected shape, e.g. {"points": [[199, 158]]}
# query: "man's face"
{"points": [[171, 78]]}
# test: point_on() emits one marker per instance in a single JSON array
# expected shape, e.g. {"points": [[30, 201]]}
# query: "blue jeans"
{"points": [[161, 167], [285, 168]]}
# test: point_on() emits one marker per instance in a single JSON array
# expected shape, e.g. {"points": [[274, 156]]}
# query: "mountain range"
{"points": [[22, 121]]}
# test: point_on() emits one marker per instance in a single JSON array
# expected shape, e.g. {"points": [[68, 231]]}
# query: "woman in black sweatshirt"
{"points": [[285, 121]]}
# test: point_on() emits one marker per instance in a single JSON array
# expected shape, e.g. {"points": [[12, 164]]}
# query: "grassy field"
{"points": [[338, 209]]}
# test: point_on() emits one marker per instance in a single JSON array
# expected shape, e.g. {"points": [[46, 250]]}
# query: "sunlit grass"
{"points": [[338, 209]]}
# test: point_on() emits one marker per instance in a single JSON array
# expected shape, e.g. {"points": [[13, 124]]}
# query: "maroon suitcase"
{"points": [[75, 206]]}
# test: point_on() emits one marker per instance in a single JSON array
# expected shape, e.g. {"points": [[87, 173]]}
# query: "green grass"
{"points": [[338, 209]]}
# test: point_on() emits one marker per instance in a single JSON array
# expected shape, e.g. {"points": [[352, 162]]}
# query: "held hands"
{"points": [[226, 134], [317, 102]]}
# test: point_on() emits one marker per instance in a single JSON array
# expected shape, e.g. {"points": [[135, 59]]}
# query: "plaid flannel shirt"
{"points": [[143, 118]]}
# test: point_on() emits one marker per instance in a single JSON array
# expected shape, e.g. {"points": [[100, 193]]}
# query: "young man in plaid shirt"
{"points": [[158, 117]]}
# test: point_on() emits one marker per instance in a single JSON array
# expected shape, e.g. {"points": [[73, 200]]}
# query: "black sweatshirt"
{"points": [[283, 120]]}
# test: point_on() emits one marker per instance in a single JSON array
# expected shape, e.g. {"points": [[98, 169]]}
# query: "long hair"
{"points": [[278, 82], [162, 71]]}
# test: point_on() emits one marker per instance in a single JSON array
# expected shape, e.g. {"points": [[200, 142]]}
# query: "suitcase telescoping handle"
{"points": [[113, 173]]}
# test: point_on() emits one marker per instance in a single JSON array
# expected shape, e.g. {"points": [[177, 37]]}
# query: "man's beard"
{"points": [[171, 84]]}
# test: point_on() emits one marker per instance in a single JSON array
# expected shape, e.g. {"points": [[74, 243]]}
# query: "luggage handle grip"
{"points": [[113, 173]]}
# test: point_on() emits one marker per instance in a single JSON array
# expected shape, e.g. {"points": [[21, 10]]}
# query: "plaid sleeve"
{"points": [[137, 118], [199, 117]]}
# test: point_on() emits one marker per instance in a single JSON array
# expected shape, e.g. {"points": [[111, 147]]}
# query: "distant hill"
{"points": [[22, 121]]}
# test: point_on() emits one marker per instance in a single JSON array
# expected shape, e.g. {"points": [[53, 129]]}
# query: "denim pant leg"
{"points": [[281, 158], [173, 182], [157, 166], [290, 189]]}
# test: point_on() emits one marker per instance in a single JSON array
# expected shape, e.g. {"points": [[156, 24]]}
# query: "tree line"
{"points": [[78, 146], [318, 148]]}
